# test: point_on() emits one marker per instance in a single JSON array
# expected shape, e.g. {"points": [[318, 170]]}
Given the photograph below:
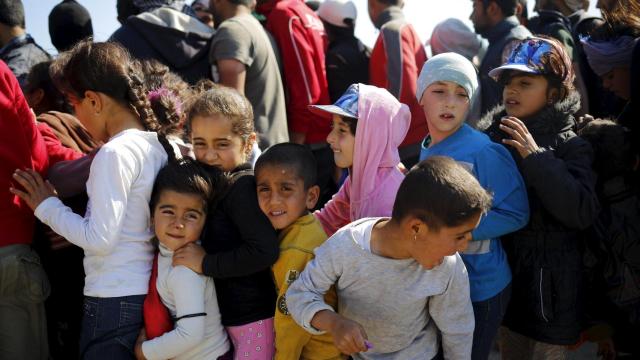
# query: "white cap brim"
{"points": [[320, 109], [495, 73]]}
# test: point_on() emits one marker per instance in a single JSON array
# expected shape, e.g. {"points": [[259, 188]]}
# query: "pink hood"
{"points": [[383, 123]]}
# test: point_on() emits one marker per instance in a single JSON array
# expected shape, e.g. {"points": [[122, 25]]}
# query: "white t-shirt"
{"points": [[114, 233]]}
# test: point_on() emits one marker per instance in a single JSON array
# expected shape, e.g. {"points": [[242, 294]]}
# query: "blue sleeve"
{"points": [[498, 173]]}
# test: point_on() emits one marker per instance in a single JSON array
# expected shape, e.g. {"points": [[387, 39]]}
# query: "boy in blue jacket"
{"points": [[446, 89]]}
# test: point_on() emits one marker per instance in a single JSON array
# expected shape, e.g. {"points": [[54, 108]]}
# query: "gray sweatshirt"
{"points": [[400, 304]]}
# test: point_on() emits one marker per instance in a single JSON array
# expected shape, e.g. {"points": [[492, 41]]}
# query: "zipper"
{"points": [[542, 299]]}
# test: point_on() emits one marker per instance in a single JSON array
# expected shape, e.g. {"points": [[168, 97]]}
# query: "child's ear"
{"points": [[95, 100], [249, 144], [313, 194], [553, 95]]}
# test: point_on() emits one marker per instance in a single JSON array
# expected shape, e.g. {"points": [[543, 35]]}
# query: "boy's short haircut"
{"points": [[508, 7], [293, 156], [441, 193], [12, 13]]}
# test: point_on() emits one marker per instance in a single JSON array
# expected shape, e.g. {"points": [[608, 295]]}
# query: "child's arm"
{"points": [[305, 300], [259, 243], [498, 173], [188, 290], [453, 314], [108, 192], [336, 212], [566, 184]]}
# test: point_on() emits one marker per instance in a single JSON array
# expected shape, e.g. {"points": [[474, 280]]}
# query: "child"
{"points": [[368, 126], [103, 85], [446, 87], [536, 123], [286, 177], [179, 205], [612, 255], [399, 281], [239, 245]]}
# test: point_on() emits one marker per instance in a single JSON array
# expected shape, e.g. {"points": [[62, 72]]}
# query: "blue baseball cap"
{"points": [[526, 57], [346, 105]]}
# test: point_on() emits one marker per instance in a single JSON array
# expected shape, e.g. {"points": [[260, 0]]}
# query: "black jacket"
{"points": [[241, 246], [545, 255], [21, 54], [171, 37], [347, 62]]}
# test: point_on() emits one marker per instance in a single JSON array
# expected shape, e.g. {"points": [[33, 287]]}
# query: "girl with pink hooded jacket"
{"points": [[368, 126]]}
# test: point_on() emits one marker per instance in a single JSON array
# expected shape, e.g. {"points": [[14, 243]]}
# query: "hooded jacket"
{"points": [[175, 39], [20, 54], [374, 178], [21, 147], [545, 255], [302, 41]]}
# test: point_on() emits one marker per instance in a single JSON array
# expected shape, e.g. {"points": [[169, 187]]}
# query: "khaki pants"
{"points": [[23, 290], [518, 347]]}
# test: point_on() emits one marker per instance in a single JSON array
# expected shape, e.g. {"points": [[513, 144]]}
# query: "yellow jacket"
{"points": [[297, 243]]}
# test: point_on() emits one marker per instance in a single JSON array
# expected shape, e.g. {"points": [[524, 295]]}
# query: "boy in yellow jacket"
{"points": [[285, 178]]}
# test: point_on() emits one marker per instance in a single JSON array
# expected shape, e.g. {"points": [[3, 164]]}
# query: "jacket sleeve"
{"points": [[498, 173], [57, 152], [259, 243], [452, 313], [290, 337], [565, 186], [336, 212], [305, 296], [188, 289], [300, 71]]}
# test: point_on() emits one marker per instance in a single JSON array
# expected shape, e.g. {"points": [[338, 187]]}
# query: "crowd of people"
{"points": [[242, 179]]}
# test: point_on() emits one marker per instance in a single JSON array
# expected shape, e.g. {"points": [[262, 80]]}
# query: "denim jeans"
{"points": [[110, 327], [488, 315]]}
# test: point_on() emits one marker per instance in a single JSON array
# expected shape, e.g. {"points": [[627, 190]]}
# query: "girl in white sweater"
{"points": [[105, 88]]}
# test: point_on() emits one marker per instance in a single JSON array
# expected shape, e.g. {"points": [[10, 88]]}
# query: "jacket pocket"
{"points": [[32, 279]]}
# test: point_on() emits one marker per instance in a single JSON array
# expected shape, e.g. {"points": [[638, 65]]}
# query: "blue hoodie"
{"points": [[493, 166]]}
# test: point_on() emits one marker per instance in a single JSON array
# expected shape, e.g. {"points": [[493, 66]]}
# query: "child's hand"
{"points": [[36, 190], [521, 139], [191, 256], [349, 336], [142, 337]]}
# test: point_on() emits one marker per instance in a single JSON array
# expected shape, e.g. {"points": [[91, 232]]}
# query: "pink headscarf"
{"points": [[383, 123]]}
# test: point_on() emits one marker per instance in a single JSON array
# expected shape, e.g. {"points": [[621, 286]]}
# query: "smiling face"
{"points": [[342, 142], [445, 105], [214, 142], [430, 247], [178, 218], [525, 94], [282, 195]]}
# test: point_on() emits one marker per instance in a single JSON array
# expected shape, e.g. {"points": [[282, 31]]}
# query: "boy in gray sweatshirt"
{"points": [[399, 281]]}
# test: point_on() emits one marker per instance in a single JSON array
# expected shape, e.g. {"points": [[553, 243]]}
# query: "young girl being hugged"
{"points": [[239, 245], [181, 197], [368, 126], [105, 89], [536, 124]]}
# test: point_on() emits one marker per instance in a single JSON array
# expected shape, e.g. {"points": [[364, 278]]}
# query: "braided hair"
{"points": [[107, 68]]}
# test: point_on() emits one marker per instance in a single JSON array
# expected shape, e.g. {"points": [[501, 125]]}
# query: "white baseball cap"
{"points": [[336, 11]]}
